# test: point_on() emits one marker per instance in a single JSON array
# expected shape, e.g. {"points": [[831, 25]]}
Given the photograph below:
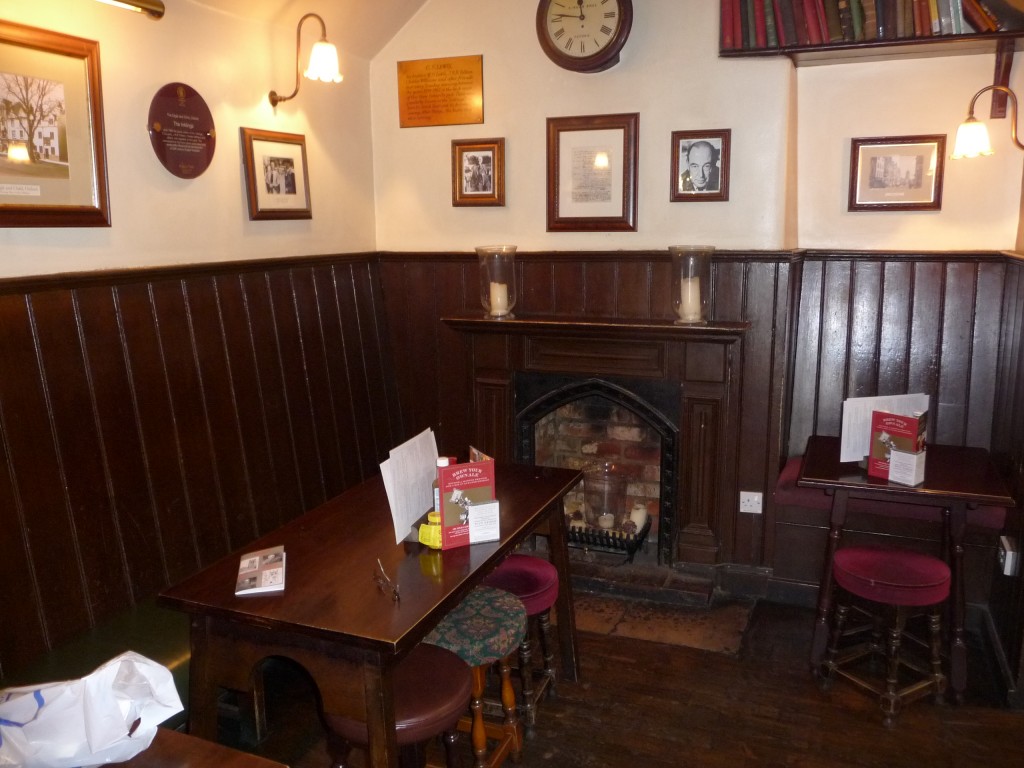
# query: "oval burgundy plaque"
{"points": [[181, 130]]}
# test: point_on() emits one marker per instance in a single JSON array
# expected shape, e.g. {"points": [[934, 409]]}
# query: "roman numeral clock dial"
{"points": [[584, 35]]}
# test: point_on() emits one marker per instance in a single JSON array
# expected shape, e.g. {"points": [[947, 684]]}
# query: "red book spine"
{"points": [[737, 23], [728, 42], [813, 22], [760, 28], [819, 7]]}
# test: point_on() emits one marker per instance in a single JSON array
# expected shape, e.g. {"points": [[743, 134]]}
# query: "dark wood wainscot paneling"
{"points": [[153, 421]]}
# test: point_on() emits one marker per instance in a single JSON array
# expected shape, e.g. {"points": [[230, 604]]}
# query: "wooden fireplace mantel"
{"points": [[701, 361]]}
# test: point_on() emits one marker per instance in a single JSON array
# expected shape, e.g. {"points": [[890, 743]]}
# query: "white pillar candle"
{"points": [[689, 299], [499, 298]]}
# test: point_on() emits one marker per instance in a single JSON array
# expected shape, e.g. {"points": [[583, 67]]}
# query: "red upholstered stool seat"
{"points": [[900, 583], [432, 689], [895, 577], [535, 582]]}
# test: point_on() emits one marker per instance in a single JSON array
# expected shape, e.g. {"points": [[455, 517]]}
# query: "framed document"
{"points": [[592, 173], [276, 178]]}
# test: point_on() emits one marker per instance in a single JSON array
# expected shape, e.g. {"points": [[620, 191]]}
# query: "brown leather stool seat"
{"points": [[432, 688]]}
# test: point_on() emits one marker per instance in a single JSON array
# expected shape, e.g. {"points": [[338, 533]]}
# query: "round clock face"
{"points": [[584, 35]]}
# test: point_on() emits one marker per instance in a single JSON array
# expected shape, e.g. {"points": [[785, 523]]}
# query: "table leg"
{"points": [[820, 638], [380, 716], [558, 551], [958, 644], [202, 689]]}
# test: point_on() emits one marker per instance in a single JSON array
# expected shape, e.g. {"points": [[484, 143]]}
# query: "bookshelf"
{"points": [[1003, 43]]}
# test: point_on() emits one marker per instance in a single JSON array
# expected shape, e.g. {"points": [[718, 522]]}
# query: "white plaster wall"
{"points": [[232, 62], [670, 73], [790, 143], [981, 197]]}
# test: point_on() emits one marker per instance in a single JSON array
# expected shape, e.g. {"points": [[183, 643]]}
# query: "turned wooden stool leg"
{"points": [[548, 650], [508, 704], [478, 734], [829, 665], [935, 635], [891, 699], [526, 680]]}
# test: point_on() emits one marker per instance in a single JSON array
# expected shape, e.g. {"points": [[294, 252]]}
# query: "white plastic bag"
{"points": [[108, 716]]}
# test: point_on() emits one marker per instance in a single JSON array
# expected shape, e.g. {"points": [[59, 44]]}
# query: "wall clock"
{"points": [[584, 35]]}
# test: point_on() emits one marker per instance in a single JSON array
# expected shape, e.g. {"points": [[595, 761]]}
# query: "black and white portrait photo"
{"points": [[478, 173], [279, 175], [700, 165]]}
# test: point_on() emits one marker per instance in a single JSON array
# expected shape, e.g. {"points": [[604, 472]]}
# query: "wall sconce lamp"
{"points": [[323, 61], [972, 136], [152, 8]]}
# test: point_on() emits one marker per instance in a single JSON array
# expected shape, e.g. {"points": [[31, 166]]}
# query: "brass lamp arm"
{"points": [[1013, 109], [276, 99]]}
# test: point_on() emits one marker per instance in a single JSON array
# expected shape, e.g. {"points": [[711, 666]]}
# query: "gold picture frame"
{"points": [[478, 172], [53, 164]]}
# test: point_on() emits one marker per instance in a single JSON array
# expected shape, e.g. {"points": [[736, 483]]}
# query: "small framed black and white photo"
{"points": [[478, 172], [276, 177], [700, 166], [897, 173]]}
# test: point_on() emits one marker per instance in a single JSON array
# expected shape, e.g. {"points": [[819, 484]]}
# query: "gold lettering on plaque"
{"points": [[441, 91]]}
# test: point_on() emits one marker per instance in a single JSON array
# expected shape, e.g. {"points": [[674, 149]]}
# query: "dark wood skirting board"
{"points": [[151, 419]]}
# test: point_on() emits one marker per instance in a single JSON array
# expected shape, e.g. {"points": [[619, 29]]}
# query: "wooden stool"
{"points": [[432, 689], [535, 582], [484, 629], [904, 583]]}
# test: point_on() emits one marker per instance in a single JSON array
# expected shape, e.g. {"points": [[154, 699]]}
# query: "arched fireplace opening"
{"points": [[576, 422]]}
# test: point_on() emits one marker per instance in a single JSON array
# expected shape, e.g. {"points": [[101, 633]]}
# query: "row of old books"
{"points": [[766, 24]]}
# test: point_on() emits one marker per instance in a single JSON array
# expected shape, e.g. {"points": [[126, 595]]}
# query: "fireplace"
{"points": [[586, 422], [681, 380]]}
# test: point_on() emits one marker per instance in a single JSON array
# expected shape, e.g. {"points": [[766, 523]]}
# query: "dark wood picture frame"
{"points": [[63, 85], [478, 172], [276, 175], [897, 173], [714, 148], [582, 198]]}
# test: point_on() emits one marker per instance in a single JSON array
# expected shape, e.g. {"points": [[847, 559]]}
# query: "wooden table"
{"points": [[958, 479], [171, 749], [334, 621]]}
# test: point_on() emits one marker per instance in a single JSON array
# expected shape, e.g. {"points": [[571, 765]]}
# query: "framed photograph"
{"points": [[53, 163], [275, 175], [478, 172], [592, 173], [700, 166], [897, 173]]}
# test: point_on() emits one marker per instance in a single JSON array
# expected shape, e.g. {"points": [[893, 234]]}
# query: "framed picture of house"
{"points": [[897, 173], [700, 166], [276, 177], [592, 173], [53, 170], [478, 172]]}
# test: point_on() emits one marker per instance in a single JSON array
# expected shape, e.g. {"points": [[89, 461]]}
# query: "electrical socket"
{"points": [[1008, 555], [750, 502]]}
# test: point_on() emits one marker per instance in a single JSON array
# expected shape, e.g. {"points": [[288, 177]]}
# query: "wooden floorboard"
{"points": [[655, 705]]}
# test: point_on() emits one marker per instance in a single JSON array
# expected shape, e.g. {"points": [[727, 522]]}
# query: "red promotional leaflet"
{"points": [[893, 431], [469, 513]]}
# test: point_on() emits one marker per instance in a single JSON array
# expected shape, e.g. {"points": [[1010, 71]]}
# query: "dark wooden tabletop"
{"points": [[171, 749], [949, 472], [332, 553]]}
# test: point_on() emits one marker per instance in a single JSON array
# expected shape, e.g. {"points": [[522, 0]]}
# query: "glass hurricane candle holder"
{"points": [[691, 282], [497, 280]]}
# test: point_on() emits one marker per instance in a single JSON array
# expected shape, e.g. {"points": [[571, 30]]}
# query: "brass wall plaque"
{"points": [[446, 91]]}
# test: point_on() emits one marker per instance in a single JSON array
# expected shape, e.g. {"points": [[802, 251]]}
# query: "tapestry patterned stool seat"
{"points": [[901, 583], [432, 688], [484, 629], [535, 582]]}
